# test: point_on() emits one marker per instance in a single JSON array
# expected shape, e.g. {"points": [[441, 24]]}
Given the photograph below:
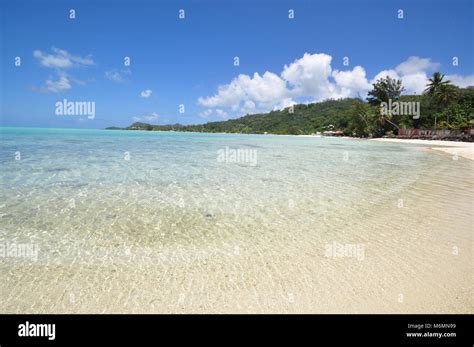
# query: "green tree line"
{"points": [[441, 106]]}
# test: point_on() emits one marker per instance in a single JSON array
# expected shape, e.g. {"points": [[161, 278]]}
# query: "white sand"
{"points": [[455, 148], [231, 248]]}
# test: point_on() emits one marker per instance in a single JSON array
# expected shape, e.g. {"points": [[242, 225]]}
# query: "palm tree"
{"points": [[445, 95], [435, 83]]}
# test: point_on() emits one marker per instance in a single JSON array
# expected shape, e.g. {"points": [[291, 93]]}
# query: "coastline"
{"points": [[453, 148], [172, 233]]}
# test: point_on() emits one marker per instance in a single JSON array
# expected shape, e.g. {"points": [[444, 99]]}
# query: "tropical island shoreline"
{"points": [[443, 112], [390, 236], [453, 148]]}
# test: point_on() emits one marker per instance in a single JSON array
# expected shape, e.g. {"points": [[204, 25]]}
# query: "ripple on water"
{"points": [[174, 230]]}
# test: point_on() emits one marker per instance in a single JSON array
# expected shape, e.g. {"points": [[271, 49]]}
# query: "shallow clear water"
{"points": [[163, 202]]}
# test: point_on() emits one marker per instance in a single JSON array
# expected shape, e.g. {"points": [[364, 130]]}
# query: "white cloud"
{"points": [[217, 112], [61, 59], [287, 102], [385, 73], [461, 81], [146, 93], [61, 84], [352, 83], [312, 78], [415, 65], [413, 72], [205, 113], [148, 117], [414, 83], [221, 113], [249, 105], [309, 76], [117, 75], [260, 90]]}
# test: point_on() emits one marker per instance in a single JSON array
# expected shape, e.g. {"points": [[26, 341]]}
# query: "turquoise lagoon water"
{"points": [[163, 201], [86, 179]]}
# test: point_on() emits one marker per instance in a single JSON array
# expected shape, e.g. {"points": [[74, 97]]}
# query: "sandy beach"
{"points": [[454, 148], [319, 225]]}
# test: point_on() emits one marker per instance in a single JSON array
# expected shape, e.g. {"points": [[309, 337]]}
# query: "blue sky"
{"points": [[191, 61]]}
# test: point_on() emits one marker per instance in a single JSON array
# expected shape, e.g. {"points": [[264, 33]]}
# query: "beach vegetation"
{"points": [[441, 106]]}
